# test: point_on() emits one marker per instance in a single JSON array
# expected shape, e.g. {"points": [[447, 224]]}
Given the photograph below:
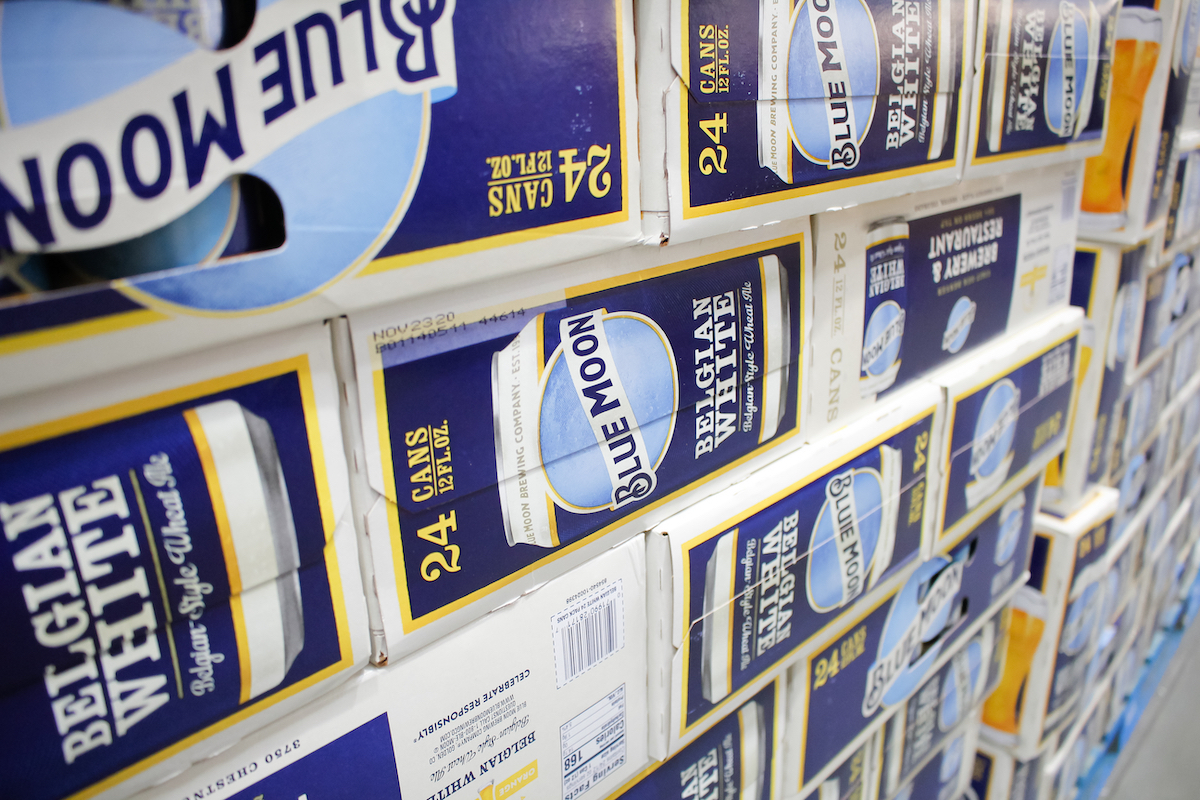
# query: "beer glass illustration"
{"points": [[1027, 623], [1135, 56], [257, 534], [885, 308]]}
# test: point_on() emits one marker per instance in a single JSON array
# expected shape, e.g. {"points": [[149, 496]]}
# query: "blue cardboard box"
{"points": [[766, 111], [1042, 75], [547, 416], [750, 578], [403, 147], [1006, 417], [852, 683], [181, 564]]}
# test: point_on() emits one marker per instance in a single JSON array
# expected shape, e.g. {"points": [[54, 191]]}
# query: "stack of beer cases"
{"points": [[358, 439], [1108, 563]]}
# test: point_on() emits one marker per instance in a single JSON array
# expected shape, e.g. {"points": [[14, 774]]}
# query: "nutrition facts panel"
{"points": [[593, 744]]}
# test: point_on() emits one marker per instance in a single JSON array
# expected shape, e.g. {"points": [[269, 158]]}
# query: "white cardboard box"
{"points": [[546, 695], [902, 287]]}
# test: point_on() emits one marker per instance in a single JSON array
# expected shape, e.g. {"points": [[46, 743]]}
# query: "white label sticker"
{"points": [[593, 744], [590, 629]]}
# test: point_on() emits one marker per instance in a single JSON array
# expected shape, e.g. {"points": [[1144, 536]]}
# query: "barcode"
{"points": [[1056, 369], [589, 641], [588, 631]]}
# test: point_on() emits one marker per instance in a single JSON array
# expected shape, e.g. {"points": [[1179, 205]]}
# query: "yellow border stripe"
{"points": [[60, 334], [243, 645], [218, 501]]}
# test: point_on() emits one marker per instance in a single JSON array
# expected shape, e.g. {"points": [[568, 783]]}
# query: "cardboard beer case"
{"points": [[566, 410], [738, 757], [1053, 627], [1042, 75], [181, 564], [998, 774], [1007, 415], [745, 580], [944, 706], [855, 778], [1127, 187], [1182, 226], [545, 697], [1077, 749], [1183, 358], [1119, 353], [1094, 282], [757, 112], [1145, 479], [843, 691], [394, 150], [902, 287], [947, 774], [1141, 436], [1162, 570], [1169, 295]]}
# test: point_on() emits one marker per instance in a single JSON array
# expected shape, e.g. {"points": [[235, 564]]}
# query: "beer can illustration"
{"points": [[258, 538], [1126, 309], [991, 447], [1042, 66], [832, 104], [885, 307], [1082, 620], [1027, 622], [1139, 40], [599, 390]]}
